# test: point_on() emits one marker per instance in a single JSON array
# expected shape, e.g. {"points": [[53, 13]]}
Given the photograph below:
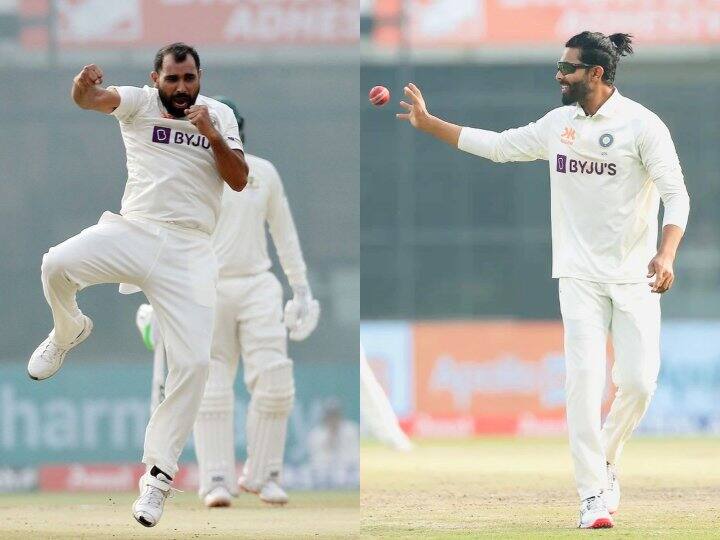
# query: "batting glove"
{"points": [[301, 313], [143, 320]]}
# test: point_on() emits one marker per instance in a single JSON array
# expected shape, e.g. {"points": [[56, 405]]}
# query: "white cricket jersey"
{"points": [[606, 172], [172, 176], [239, 240]]}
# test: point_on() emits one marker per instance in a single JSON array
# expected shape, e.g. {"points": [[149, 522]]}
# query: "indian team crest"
{"points": [[606, 139]]}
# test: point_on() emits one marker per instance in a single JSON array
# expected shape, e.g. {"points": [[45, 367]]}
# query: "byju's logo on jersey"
{"points": [[161, 135], [574, 166], [561, 163], [165, 135]]}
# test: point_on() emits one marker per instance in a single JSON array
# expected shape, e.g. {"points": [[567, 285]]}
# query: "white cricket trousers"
{"points": [[631, 314], [177, 271], [248, 324]]}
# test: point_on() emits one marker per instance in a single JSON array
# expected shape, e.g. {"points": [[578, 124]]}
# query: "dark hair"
{"points": [[598, 49], [179, 52]]}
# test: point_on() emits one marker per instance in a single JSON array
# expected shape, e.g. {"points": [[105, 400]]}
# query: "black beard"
{"points": [[577, 92], [171, 109]]}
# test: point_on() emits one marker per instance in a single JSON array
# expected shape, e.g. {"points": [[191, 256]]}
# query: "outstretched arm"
{"points": [[87, 93], [520, 144]]}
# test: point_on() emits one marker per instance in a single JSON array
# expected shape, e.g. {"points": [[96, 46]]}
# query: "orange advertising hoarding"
{"points": [[489, 377], [151, 23], [431, 23]]}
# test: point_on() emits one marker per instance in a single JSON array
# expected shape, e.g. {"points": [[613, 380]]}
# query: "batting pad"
{"points": [[214, 434], [270, 406]]}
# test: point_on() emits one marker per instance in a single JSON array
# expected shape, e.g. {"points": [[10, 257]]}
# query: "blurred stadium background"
{"points": [[292, 68], [460, 318]]}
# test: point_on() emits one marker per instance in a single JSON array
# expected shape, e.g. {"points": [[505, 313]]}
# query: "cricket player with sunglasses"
{"points": [[611, 162]]}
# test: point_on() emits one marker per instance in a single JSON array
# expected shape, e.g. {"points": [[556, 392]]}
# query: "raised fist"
{"points": [[90, 75]]}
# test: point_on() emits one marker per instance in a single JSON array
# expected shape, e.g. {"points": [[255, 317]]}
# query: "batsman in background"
{"points": [[611, 161], [249, 323]]}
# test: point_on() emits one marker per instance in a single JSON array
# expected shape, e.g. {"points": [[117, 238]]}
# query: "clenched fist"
{"points": [[90, 75], [199, 116]]}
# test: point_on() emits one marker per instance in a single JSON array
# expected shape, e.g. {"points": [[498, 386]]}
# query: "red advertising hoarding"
{"points": [[495, 377], [153, 23], [473, 23], [85, 477]]}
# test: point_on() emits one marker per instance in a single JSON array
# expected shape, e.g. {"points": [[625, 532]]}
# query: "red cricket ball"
{"points": [[379, 96]]}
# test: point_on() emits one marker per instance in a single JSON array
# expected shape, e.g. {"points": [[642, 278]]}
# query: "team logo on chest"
{"points": [[165, 135], [606, 139], [567, 136]]}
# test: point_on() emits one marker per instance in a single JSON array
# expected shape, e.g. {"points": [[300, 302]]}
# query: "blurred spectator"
{"points": [[333, 447]]}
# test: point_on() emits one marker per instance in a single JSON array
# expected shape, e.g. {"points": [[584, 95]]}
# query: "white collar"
{"points": [[607, 109]]}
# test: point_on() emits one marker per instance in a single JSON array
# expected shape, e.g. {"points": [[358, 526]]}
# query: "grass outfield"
{"points": [[56, 516], [523, 488]]}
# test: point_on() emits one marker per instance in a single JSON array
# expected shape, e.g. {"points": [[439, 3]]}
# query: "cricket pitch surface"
{"points": [[108, 515], [523, 488]]}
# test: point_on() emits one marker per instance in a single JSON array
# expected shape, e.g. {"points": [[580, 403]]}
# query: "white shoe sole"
{"points": [[266, 501], [218, 502], [274, 502], [599, 523]]}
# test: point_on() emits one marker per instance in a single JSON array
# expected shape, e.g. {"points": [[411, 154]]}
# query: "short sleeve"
{"points": [[131, 100], [230, 130]]}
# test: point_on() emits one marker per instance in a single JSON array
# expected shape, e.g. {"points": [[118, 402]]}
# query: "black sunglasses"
{"points": [[566, 68]]}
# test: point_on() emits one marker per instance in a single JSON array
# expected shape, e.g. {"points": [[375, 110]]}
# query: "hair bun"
{"points": [[623, 43]]}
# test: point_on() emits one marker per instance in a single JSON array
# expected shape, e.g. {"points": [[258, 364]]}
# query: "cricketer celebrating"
{"points": [[609, 159], [181, 148], [248, 323]]}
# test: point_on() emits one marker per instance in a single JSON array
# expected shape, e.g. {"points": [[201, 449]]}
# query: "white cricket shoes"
{"points": [[270, 493], [218, 497], [49, 356], [611, 495], [148, 507], [594, 514]]}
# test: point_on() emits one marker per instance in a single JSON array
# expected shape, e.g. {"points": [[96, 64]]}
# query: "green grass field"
{"points": [[60, 516], [523, 488]]}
